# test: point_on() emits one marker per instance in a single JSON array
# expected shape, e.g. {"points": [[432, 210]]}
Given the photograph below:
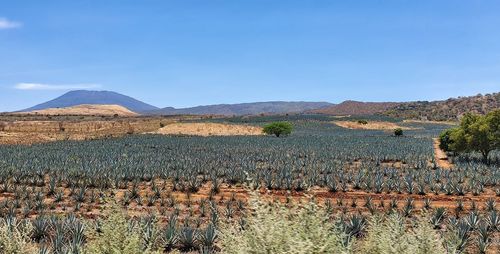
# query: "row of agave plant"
{"points": [[464, 179], [340, 160], [68, 234], [48, 195]]}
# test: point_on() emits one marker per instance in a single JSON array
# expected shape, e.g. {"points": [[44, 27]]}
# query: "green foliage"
{"points": [[278, 129], [277, 229], [445, 139], [475, 133], [398, 132]]}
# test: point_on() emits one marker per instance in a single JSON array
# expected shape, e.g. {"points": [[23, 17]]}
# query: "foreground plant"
{"points": [[273, 228], [116, 236], [15, 237], [391, 235]]}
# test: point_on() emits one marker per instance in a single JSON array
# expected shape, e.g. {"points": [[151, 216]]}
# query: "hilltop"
{"points": [[450, 109], [355, 108], [85, 109], [272, 107], [80, 97]]}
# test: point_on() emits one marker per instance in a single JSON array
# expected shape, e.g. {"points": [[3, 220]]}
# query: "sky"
{"points": [[198, 52]]}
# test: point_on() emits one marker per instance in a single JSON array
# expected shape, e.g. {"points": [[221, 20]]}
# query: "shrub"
{"points": [[277, 229], [398, 132], [15, 237], [445, 140], [390, 235], [116, 236], [278, 129]]}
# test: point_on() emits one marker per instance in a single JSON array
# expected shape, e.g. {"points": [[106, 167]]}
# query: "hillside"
{"points": [[79, 97], [85, 109], [273, 107], [355, 108], [450, 109]]}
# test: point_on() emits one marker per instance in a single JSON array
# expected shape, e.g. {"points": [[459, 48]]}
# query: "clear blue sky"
{"points": [[185, 53]]}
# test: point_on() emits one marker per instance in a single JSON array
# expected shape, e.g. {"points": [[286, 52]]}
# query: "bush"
{"points": [[278, 129], [277, 229], [390, 235], [398, 132], [15, 237], [445, 140], [116, 236]]}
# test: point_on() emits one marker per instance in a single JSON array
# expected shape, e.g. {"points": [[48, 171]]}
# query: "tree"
{"points": [[398, 132], [278, 129], [445, 140], [475, 133]]}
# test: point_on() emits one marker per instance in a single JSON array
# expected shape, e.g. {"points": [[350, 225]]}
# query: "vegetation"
{"points": [[475, 133], [448, 110], [15, 237], [185, 193], [398, 132], [278, 129], [273, 228], [115, 235]]}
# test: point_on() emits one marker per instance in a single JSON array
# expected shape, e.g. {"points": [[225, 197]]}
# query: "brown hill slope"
{"points": [[355, 108], [450, 109], [85, 109]]}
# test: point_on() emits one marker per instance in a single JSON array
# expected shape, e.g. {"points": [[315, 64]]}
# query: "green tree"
{"points": [[475, 133], [398, 132], [278, 129], [445, 139]]}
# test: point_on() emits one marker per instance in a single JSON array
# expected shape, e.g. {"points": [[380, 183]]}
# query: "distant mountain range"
{"points": [[272, 107], [450, 109], [79, 97], [355, 108]]}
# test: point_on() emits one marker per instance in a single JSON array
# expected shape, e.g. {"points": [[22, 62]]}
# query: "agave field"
{"points": [[188, 184]]}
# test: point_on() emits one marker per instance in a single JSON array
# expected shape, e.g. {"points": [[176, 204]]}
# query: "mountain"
{"points": [[272, 107], [355, 108], [450, 109], [85, 109], [80, 97]]}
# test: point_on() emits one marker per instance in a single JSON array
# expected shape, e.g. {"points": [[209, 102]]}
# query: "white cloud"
{"points": [[7, 24], [37, 86]]}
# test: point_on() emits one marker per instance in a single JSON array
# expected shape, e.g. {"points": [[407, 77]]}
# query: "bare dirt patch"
{"points": [[101, 110], [441, 158], [370, 125], [208, 129], [46, 129]]}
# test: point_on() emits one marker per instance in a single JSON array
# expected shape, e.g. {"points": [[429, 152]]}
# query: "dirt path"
{"points": [[441, 158]]}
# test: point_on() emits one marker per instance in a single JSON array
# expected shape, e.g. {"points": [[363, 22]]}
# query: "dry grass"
{"points": [[101, 110], [370, 125], [430, 122], [46, 129], [209, 129]]}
